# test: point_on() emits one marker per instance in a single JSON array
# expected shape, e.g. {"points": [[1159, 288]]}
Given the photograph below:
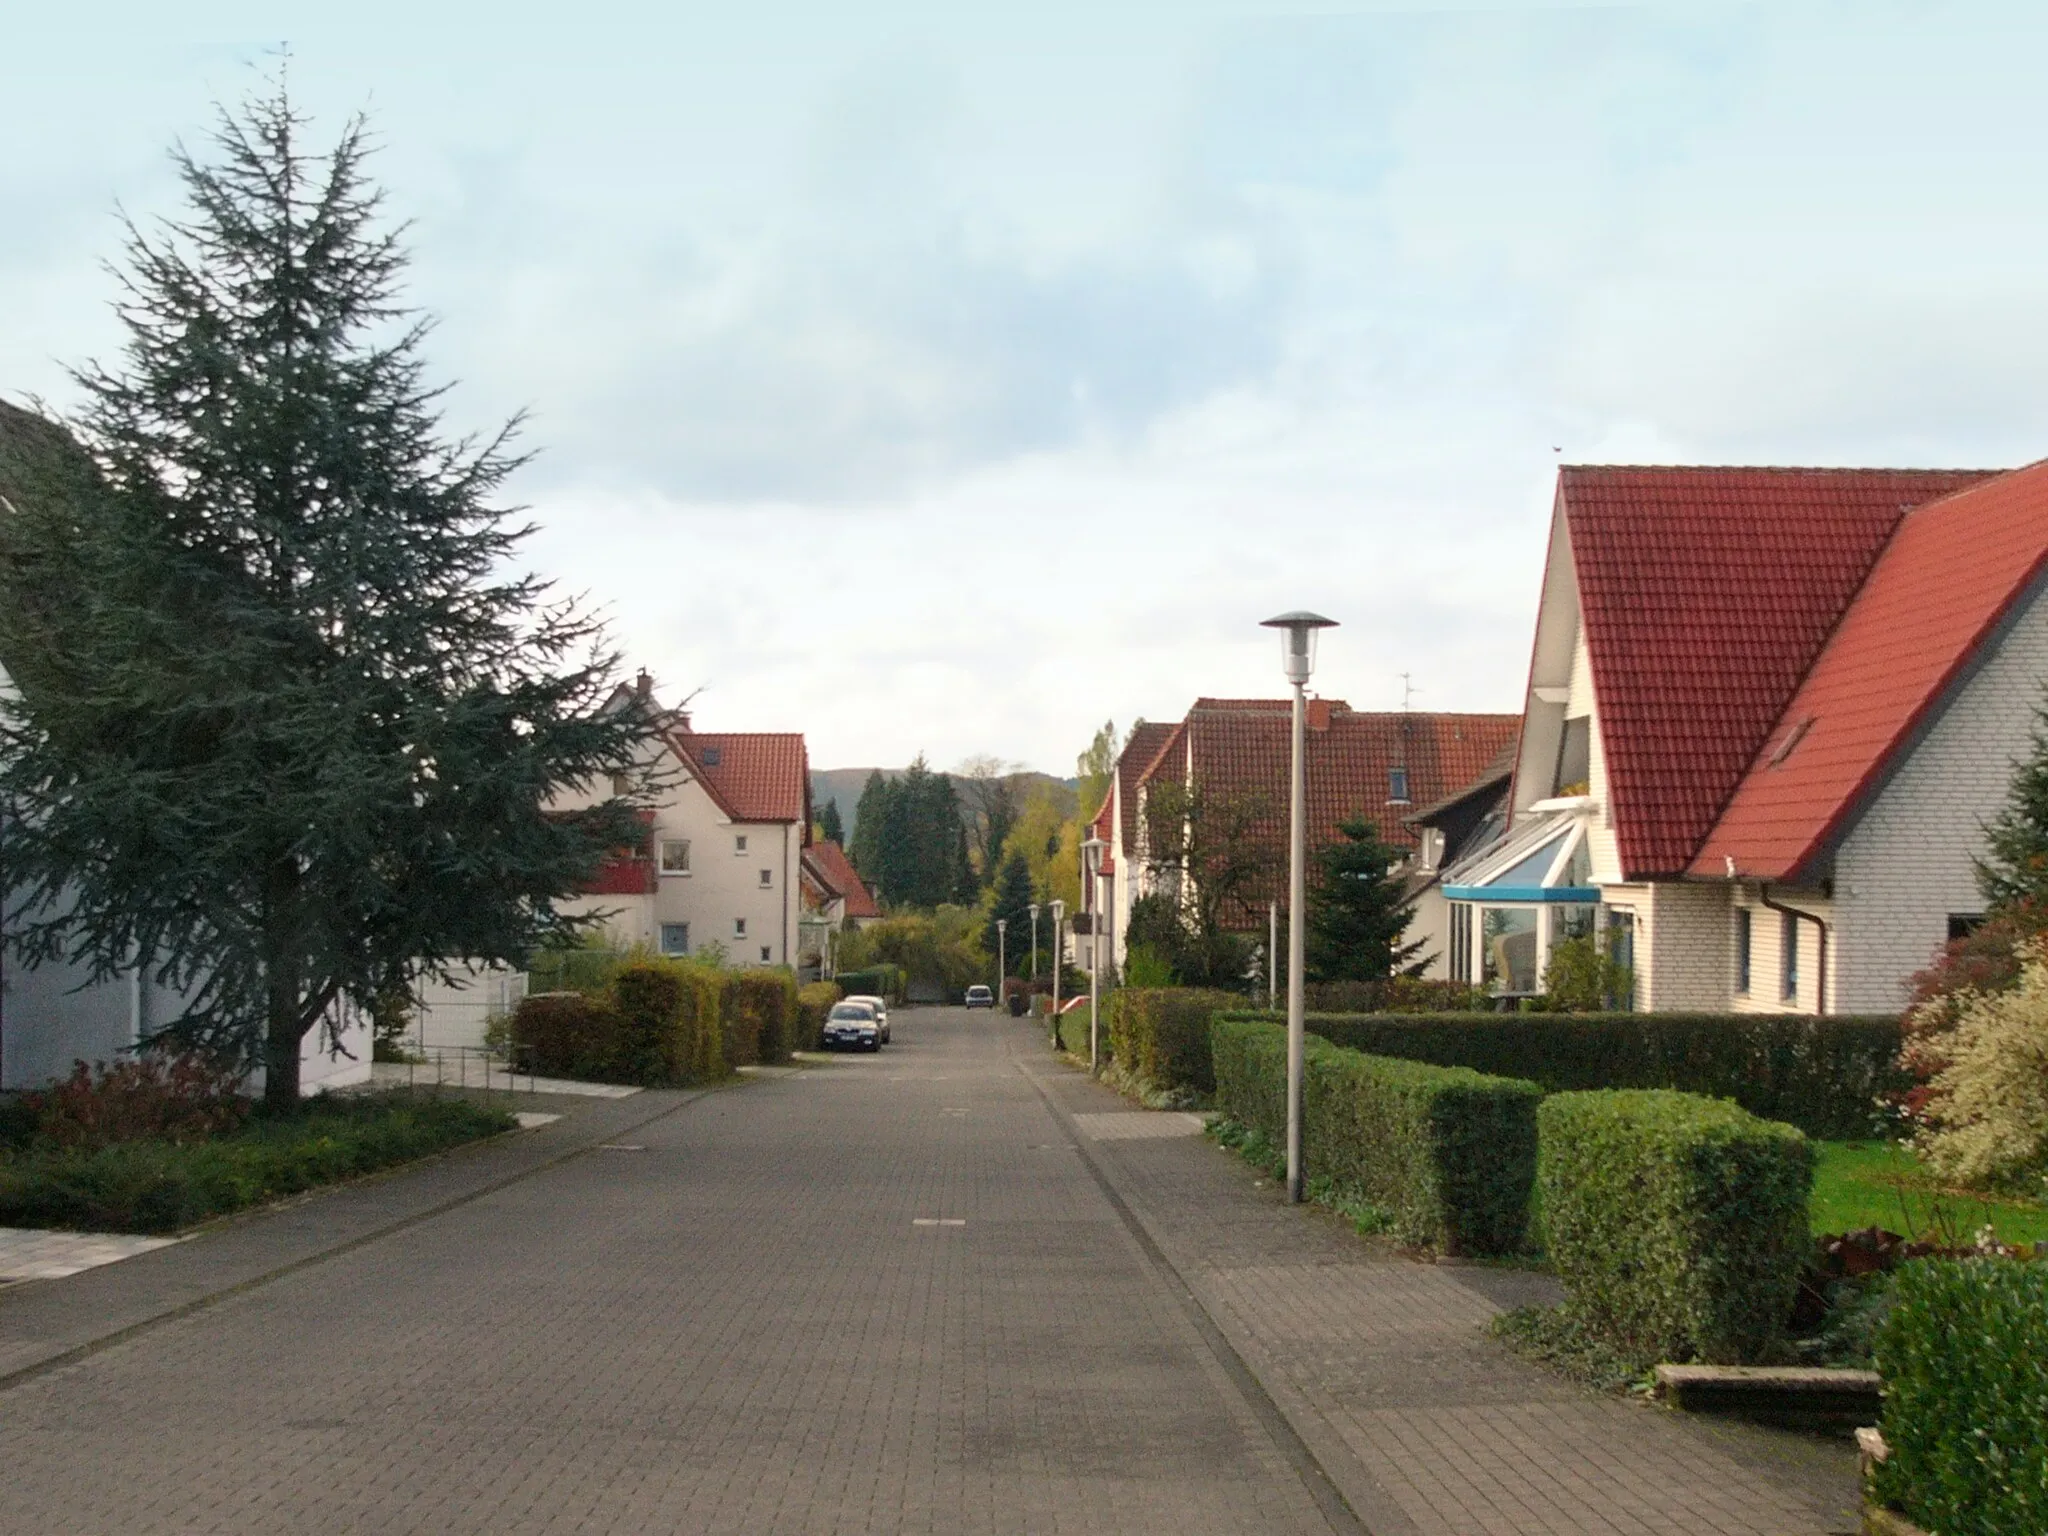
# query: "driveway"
{"points": [[882, 1293]]}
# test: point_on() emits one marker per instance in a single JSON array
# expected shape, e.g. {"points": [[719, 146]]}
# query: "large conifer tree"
{"points": [[294, 751], [1357, 910]]}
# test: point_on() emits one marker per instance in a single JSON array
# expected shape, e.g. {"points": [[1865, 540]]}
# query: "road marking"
{"points": [[620, 1146], [937, 1221]]}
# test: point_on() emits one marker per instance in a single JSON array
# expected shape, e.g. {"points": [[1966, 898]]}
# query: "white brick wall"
{"points": [[1688, 944], [1909, 862]]}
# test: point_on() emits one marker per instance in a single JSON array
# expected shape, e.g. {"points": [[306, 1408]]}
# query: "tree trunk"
{"points": [[285, 1028]]}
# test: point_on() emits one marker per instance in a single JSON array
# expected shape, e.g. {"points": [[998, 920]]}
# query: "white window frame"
{"points": [[767, 879], [739, 844], [739, 927], [666, 930], [674, 842]]}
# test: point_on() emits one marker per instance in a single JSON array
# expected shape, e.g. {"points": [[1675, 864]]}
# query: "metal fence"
{"points": [[464, 1066]]}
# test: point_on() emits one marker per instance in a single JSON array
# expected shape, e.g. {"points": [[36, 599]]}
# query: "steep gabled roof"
{"points": [[1140, 752], [1949, 578], [1705, 594], [751, 775], [829, 865]]}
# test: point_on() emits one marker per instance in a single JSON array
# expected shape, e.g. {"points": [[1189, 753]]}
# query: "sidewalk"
{"points": [[1382, 1366], [46, 1322]]}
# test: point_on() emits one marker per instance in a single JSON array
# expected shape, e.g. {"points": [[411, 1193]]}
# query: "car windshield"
{"points": [[852, 1011]]}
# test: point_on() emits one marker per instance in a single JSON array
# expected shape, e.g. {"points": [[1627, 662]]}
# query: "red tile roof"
{"points": [[1241, 747], [1952, 573], [1705, 595], [1133, 763], [753, 775], [829, 864]]}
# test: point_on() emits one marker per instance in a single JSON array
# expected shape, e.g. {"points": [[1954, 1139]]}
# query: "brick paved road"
{"points": [[740, 1326]]}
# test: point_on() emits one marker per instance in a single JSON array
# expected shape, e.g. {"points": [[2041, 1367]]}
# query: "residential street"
{"points": [[904, 1292]]}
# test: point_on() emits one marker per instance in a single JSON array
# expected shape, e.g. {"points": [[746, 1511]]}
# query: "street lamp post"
{"points": [[1059, 912], [1034, 943], [1091, 857], [1002, 961], [1298, 658]]}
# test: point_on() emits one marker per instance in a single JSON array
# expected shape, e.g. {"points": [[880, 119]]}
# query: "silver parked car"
{"points": [[853, 1023], [881, 1011]]}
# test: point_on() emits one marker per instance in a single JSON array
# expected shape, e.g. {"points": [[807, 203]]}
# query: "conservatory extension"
{"points": [[1515, 902]]}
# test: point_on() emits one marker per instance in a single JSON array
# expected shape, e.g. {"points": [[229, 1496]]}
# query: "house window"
{"points": [[1621, 946], [1788, 947], [764, 954], [1461, 942], [1397, 785], [1508, 949], [619, 786], [739, 843], [1962, 924], [767, 877], [1742, 951], [739, 927], [675, 856], [675, 938]]}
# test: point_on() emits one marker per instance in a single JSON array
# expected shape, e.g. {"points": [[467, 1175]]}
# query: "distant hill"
{"points": [[845, 785]]}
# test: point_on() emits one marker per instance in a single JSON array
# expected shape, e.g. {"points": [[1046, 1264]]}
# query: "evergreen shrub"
{"points": [[1825, 1075], [1677, 1223], [1161, 1034], [1964, 1357], [565, 1034], [1446, 1153]]}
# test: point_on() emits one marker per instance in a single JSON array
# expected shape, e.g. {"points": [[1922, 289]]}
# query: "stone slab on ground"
{"points": [[1795, 1394], [462, 1073], [27, 1253]]}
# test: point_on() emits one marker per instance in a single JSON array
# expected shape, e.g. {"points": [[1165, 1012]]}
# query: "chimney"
{"points": [[1317, 717], [644, 684]]}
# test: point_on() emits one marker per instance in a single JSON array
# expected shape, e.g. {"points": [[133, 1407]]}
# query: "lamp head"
{"points": [[1034, 914], [1059, 909], [1002, 925], [1091, 854], [1298, 641]]}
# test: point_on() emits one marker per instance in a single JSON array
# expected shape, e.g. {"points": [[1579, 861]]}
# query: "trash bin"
{"points": [[1017, 1001]]}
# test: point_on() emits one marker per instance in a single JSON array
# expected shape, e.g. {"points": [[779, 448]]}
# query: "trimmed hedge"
{"points": [[1964, 1356], [1677, 1223], [658, 1023], [1448, 1154], [813, 1002], [1824, 1075], [1162, 1034], [760, 1017], [884, 981]]}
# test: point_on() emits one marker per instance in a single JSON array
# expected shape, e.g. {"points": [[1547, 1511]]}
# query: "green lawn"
{"points": [[1879, 1183]]}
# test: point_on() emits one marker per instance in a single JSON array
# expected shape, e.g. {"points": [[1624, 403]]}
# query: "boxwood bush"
{"points": [[1964, 1356], [1161, 1035], [1824, 1075], [1677, 1223], [1446, 1153]]}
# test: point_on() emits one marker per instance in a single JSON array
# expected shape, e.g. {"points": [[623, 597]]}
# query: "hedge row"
{"points": [[657, 1021], [1447, 1153], [1824, 1075], [1161, 1034], [887, 982], [1677, 1223], [813, 1002], [1964, 1356]]}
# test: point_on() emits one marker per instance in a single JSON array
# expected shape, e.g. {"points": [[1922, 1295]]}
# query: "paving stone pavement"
{"points": [[1382, 1366], [745, 1313]]}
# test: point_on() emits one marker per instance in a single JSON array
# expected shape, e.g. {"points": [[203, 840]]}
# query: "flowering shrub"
{"points": [[1983, 1110], [159, 1096]]}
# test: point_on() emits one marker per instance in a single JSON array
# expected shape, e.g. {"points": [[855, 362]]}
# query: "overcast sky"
{"points": [[926, 381]]}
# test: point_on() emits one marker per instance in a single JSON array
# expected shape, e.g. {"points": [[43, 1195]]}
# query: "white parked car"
{"points": [[881, 1011], [853, 1023]]}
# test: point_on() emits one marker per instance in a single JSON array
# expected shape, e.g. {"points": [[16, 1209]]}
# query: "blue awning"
{"points": [[1563, 895]]}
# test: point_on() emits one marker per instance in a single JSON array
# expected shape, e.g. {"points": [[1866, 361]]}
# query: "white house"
{"points": [[1769, 713]]}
